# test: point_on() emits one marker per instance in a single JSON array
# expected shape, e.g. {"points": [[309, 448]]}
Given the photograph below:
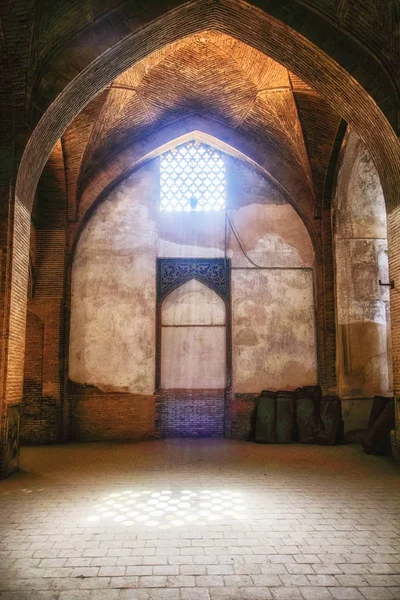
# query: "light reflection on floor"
{"points": [[166, 509]]}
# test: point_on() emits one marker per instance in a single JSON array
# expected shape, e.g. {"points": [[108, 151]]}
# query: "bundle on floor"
{"points": [[304, 416], [381, 421]]}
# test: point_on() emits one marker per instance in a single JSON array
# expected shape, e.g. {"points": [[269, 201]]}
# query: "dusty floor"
{"points": [[200, 519]]}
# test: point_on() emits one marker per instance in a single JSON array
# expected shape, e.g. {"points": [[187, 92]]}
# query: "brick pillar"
{"points": [[14, 232], [394, 271], [14, 283], [325, 310], [4, 291]]}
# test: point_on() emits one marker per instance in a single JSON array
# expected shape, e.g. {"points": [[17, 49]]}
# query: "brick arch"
{"points": [[238, 145], [251, 26], [241, 147], [242, 21], [314, 19]]}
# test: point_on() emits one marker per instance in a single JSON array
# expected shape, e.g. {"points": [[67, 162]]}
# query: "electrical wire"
{"points": [[227, 219]]}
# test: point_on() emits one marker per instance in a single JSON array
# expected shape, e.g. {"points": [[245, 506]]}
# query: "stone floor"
{"points": [[200, 519]]}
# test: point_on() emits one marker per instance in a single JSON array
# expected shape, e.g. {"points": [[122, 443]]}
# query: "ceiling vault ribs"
{"points": [[120, 86], [342, 10], [309, 170], [215, 76], [245, 112], [146, 108]]}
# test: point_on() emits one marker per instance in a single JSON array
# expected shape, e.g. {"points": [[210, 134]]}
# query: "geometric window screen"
{"points": [[192, 177]]}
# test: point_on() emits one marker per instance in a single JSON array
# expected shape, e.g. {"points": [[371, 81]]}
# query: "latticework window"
{"points": [[192, 177]]}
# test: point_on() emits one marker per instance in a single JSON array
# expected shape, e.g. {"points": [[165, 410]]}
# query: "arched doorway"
{"points": [[193, 362]]}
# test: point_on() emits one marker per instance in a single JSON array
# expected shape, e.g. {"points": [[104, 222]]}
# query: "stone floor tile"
{"points": [[153, 581], [277, 569], [181, 581], [209, 580], [75, 595], [346, 593], [191, 569], [95, 583], [286, 593], [378, 593], [380, 580], [256, 593], [141, 570], [44, 595], [124, 582], [112, 571], [220, 569], [351, 580], [315, 593], [225, 593], [105, 595], [195, 594], [295, 580], [382, 569], [238, 580], [323, 580], [266, 580], [303, 569], [170, 594], [329, 569], [15, 596], [132, 595]]}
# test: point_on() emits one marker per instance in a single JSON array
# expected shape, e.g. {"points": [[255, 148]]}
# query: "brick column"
{"points": [[394, 272], [325, 310], [14, 283], [13, 220]]}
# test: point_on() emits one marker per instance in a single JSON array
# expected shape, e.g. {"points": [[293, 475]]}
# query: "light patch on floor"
{"points": [[165, 509]]}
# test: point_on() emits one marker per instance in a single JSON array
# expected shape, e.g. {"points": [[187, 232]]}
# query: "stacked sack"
{"points": [[301, 416], [381, 421]]}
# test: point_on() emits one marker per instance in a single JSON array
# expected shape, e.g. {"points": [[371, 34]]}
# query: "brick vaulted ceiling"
{"points": [[214, 76]]}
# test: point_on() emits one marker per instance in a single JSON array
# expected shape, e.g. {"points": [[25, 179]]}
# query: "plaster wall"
{"points": [[363, 307], [112, 334], [193, 345], [273, 330]]}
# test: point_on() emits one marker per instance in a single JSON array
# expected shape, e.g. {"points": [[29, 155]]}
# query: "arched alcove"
{"points": [[113, 345], [362, 303]]}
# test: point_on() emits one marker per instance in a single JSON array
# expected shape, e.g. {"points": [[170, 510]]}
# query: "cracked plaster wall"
{"points": [[112, 333]]}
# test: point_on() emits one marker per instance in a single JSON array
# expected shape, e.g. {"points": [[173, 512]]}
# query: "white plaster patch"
{"points": [[169, 249]]}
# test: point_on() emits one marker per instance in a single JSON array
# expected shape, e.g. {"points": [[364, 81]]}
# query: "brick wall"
{"points": [[41, 414], [100, 416], [31, 417], [97, 416], [191, 413], [242, 412]]}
